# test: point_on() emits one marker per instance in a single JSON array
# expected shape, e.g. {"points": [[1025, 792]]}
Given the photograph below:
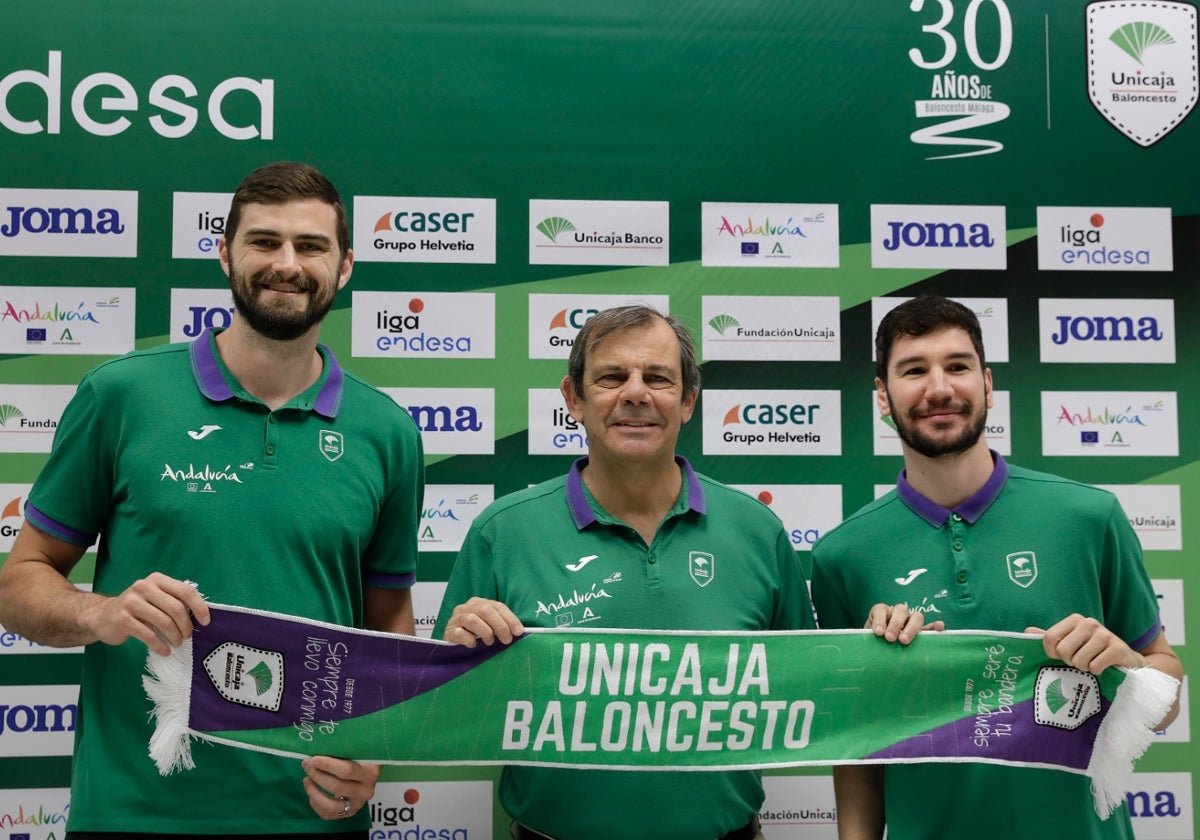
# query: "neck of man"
{"points": [[273, 371], [949, 480], [640, 495]]}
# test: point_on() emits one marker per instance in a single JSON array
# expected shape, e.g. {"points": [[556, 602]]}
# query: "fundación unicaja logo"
{"points": [[723, 322], [9, 412], [246, 675]]}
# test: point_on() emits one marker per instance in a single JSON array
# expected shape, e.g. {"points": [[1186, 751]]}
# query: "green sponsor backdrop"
{"points": [[799, 101]]}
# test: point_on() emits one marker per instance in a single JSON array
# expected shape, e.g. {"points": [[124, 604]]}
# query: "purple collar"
{"points": [[213, 378], [970, 510], [582, 513]]}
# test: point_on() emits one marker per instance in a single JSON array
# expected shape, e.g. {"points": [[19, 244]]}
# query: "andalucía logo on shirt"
{"points": [[1022, 568], [702, 567]]}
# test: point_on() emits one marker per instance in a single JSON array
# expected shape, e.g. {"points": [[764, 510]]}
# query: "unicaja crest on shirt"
{"points": [[702, 567], [1022, 568], [331, 444]]}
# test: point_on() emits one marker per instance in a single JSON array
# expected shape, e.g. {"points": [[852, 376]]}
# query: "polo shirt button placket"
{"points": [[271, 444]]}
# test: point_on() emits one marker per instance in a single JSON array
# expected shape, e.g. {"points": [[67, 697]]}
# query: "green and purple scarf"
{"points": [[642, 700]]}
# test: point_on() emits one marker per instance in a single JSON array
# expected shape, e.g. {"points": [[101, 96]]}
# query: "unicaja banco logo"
{"points": [[553, 226], [9, 412], [246, 675]]}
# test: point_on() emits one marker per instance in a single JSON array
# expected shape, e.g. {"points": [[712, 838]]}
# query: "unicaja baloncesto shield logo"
{"points": [[702, 567], [1142, 74], [331, 444], [1022, 568], [1065, 698], [246, 675]]}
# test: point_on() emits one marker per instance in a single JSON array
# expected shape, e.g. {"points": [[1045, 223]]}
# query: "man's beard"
{"points": [[933, 448], [280, 322]]}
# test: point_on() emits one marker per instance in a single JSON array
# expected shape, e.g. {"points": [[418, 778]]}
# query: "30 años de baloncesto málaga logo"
{"points": [[1142, 74], [247, 675]]}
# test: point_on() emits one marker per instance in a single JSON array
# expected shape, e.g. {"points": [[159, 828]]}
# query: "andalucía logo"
{"points": [[1141, 60], [247, 675]]}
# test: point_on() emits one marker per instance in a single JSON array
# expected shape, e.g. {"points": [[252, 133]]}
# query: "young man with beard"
{"points": [[946, 539], [249, 462], [623, 526]]}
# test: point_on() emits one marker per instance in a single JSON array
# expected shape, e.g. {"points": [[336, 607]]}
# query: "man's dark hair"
{"points": [[618, 318], [920, 316], [284, 181]]}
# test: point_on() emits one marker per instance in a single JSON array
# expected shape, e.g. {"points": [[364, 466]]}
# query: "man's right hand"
{"points": [[158, 610], [482, 620]]}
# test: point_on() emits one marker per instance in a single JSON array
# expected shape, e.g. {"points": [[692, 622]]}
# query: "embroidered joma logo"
{"points": [[204, 432], [583, 561], [913, 574]]}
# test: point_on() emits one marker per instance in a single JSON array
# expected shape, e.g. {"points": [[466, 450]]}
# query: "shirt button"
{"points": [[961, 577], [271, 418], [651, 559], [956, 517], [958, 545], [270, 449]]}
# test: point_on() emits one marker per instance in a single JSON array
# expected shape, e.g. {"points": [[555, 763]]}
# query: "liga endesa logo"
{"points": [[432, 810]]}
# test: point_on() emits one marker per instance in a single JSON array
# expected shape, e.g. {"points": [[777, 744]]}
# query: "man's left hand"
{"points": [[338, 787], [898, 623]]}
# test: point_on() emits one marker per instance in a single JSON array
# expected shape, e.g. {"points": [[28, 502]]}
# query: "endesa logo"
{"points": [[424, 230], [111, 93], [552, 429], [555, 320], [772, 422], [937, 236], [431, 811], [424, 325], [68, 223], [1105, 239], [1110, 331], [807, 510]]}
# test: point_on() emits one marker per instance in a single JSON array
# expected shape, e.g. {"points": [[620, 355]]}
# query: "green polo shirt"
{"points": [[1027, 550], [721, 560], [180, 470]]}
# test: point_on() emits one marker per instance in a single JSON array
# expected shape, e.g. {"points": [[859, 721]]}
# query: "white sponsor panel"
{"points": [[38, 813], [423, 325], [555, 320], [1104, 239], [1112, 423], [198, 224], [29, 415], [807, 510], [772, 422], [37, 720], [432, 810], [67, 320], [565, 232], [12, 513], [1180, 730], [938, 236], [769, 235], [998, 428], [1171, 612], [68, 223], [195, 310], [448, 512], [427, 600], [771, 328], [1141, 65], [1154, 511], [1160, 806], [552, 430], [991, 312], [1111, 331], [883, 489], [453, 421], [799, 808], [414, 229]]}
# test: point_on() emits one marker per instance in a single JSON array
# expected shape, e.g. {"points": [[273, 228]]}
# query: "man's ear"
{"points": [[881, 398], [573, 400]]}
